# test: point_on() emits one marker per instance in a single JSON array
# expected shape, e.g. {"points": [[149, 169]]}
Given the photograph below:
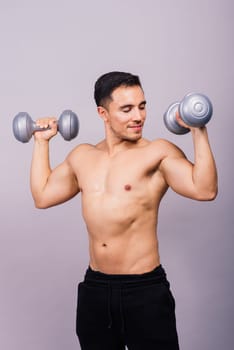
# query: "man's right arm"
{"points": [[50, 187]]}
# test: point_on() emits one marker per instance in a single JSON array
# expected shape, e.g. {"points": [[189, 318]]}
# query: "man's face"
{"points": [[126, 113]]}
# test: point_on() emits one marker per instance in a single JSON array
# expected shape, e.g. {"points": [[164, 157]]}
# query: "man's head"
{"points": [[108, 82], [121, 104]]}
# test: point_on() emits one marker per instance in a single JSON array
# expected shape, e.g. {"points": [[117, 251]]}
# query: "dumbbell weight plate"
{"points": [[68, 125], [195, 109], [171, 122], [22, 127]]}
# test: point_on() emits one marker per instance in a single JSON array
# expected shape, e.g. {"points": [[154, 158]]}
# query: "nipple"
{"points": [[127, 187]]}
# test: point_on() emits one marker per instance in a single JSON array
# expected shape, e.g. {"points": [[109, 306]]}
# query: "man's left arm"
{"points": [[204, 169], [196, 180]]}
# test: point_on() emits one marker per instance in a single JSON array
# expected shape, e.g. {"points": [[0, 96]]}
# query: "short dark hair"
{"points": [[108, 82]]}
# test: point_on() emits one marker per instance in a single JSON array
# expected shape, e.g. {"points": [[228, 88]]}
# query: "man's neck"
{"points": [[113, 147]]}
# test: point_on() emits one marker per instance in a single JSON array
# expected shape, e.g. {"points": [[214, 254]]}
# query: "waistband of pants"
{"points": [[157, 275]]}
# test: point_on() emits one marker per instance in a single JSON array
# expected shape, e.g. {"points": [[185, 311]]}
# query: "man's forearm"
{"points": [[40, 168], [204, 170]]}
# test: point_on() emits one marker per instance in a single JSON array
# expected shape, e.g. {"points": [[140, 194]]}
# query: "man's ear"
{"points": [[103, 113]]}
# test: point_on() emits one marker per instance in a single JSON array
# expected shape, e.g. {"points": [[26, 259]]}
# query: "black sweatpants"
{"points": [[133, 310]]}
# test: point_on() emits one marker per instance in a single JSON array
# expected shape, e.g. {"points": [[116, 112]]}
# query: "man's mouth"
{"points": [[136, 127]]}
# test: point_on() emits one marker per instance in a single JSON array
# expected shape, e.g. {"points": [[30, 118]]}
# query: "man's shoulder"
{"points": [[165, 147], [82, 147], [80, 150], [161, 143]]}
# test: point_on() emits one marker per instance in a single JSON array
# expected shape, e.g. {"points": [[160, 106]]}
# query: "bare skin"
{"points": [[122, 180]]}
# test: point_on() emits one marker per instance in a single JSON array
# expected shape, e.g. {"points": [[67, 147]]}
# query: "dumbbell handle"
{"points": [[35, 127]]}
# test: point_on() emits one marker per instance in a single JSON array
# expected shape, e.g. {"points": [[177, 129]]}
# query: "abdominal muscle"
{"points": [[122, 234]]}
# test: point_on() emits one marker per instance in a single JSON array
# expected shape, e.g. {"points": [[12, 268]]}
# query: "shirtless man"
{"points": [[125, 298]]}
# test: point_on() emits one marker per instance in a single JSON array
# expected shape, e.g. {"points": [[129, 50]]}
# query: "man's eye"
{"points": [[126, 110]]}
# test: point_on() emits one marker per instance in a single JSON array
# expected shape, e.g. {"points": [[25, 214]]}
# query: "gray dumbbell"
{"points": [[195, 110], [24, 126]]}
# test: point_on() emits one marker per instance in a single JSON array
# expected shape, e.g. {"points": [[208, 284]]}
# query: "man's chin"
{"points": [[133, 138]]}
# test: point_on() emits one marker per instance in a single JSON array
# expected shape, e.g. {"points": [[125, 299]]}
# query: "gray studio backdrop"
{"points": [[52, 51]]}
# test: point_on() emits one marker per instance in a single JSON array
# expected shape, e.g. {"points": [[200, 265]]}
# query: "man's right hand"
{"points": [[51, 124]]}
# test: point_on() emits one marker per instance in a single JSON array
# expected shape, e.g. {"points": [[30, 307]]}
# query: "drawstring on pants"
{"points": [[121, 310], [109, 297], [109, 305]]}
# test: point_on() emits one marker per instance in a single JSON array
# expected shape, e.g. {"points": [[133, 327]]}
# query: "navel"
{"points": [[104, 244], [128, 187]]}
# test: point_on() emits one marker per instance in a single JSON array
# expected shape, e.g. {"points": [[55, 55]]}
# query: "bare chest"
{"points": [[122, 174]]}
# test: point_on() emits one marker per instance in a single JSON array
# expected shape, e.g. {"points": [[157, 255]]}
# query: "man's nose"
{"points": [[137, 116]]}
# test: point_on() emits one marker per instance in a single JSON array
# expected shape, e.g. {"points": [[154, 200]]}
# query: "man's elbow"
{"points": [[208, 195], [40, 204], [212, 195]]}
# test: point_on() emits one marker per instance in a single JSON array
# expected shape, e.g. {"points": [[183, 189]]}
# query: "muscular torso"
{"points": [[120, 199]]}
